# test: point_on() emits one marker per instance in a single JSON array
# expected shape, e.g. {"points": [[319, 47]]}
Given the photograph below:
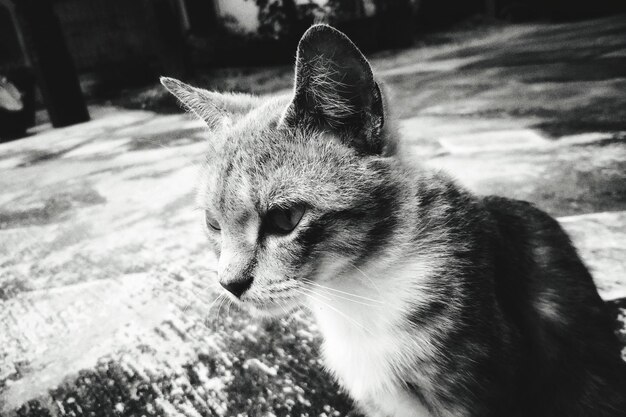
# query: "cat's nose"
{"points": [[237, 287]]}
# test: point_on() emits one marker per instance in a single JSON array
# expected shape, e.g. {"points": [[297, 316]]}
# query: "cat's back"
{"points": [[572, 356]]}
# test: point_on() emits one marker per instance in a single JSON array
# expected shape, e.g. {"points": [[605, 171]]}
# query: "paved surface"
{"points": [[106, 298]]}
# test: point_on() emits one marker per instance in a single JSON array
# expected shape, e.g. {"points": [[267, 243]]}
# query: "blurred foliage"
{"points": [[342, 10], [287, 19], [372, 24], [284, 19]]}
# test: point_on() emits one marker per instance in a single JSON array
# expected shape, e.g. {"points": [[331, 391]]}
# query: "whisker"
{"points": [[208, 319], [346, 298], [371, 281], [230, 303], [219, 310], [341, 313], [220, 295], [324, 296], [284, 308], [341, 292]]}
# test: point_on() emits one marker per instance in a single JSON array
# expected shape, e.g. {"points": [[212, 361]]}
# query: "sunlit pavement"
{"points": [[106, 285]]}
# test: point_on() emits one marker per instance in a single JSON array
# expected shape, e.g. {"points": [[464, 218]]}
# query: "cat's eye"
{"points": [[211, 222], [283, 220]]}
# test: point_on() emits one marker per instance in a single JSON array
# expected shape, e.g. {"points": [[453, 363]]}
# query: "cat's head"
{"points": [[298, 189]]}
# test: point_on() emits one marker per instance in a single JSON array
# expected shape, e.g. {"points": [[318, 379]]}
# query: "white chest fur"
{"points": [[360, 349]]}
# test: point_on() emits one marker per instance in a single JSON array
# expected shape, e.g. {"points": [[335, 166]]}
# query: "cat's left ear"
{"points": [[216, 109], [335, 90]]}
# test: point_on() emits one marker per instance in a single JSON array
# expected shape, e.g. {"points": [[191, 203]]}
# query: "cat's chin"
{"points": [[270, 310]]}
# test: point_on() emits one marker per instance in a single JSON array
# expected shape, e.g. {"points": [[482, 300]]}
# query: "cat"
{"points": [[431, 301]]}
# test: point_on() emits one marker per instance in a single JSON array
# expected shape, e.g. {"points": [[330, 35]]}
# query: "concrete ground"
{"points": [[107, 289]]}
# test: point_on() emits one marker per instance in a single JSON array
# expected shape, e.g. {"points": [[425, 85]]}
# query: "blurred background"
{"points": [[107, 298], [60, 53]]}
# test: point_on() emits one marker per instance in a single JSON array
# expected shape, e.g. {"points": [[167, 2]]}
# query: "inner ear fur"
{"points": [[335, 90], [212, 107]]}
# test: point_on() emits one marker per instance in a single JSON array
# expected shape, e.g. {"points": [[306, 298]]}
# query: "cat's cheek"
{"points": [[216, 246], [214, 243]]}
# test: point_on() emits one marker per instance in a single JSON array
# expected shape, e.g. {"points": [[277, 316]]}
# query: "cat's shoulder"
{"points": [[518, 213]]}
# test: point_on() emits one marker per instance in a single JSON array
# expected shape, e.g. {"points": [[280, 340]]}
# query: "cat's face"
{"points": [[297, 190]]}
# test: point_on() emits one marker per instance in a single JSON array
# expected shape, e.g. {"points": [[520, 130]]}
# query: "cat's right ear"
{"points": [[335, 90], [216, 109]]}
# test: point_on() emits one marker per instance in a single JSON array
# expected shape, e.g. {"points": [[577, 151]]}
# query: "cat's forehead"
{"points": [[262, 164], [251, 162]]}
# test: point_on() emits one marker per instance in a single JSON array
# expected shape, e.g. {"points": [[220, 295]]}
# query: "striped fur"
{"points": [[431, 301]]}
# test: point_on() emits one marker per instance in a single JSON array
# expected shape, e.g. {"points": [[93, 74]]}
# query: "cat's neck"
{"points": [[375, 316], [365, 334], [373, 299]]}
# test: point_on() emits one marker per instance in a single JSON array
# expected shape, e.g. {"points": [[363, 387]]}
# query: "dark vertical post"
{"points": [[490, 8], [53, 64]]}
